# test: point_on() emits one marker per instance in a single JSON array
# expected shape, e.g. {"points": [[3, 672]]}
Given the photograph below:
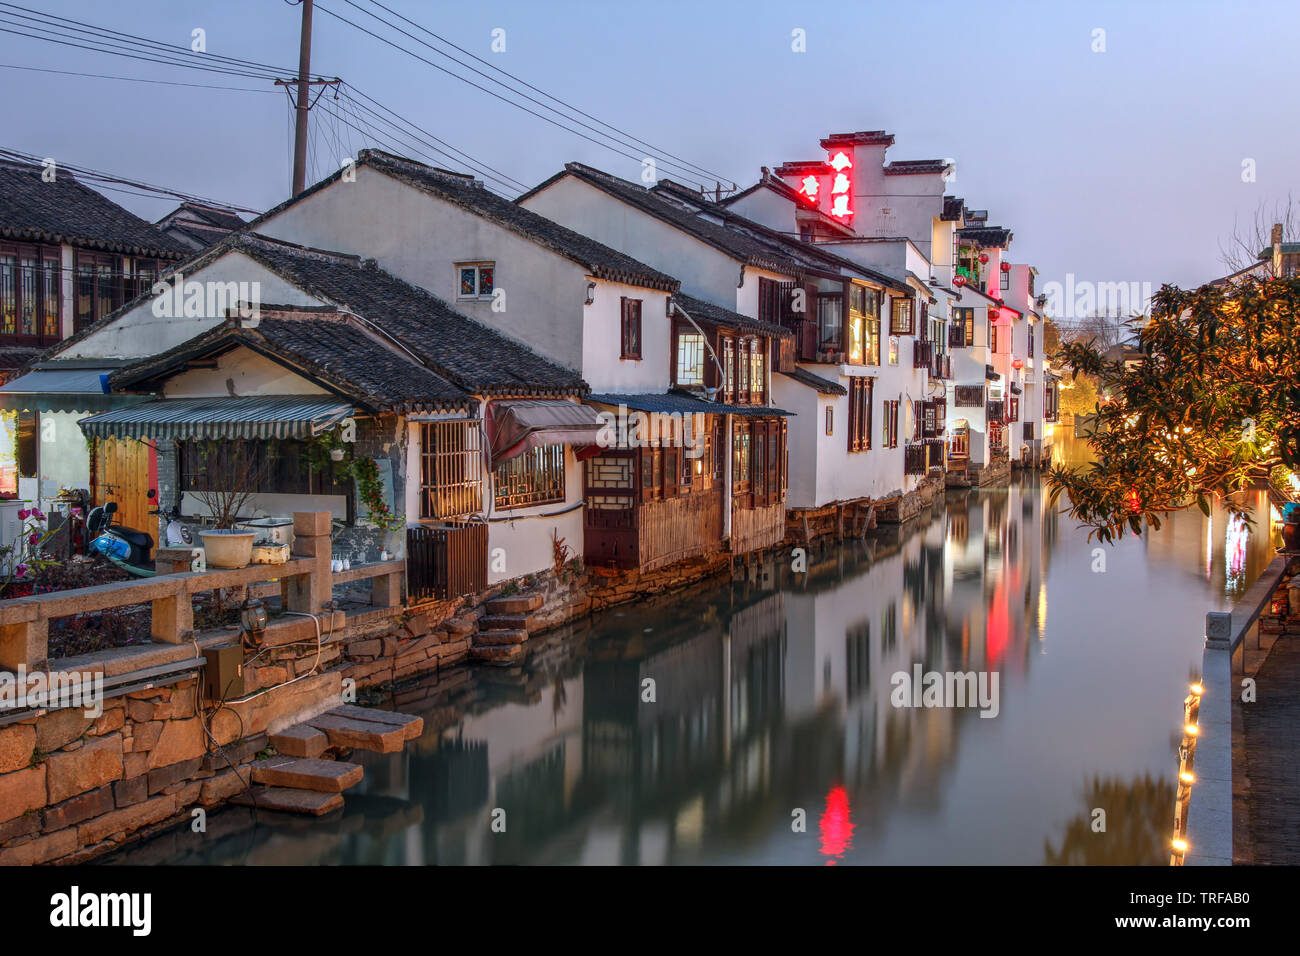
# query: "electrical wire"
{"points": [[491, 93], [663, 152]]}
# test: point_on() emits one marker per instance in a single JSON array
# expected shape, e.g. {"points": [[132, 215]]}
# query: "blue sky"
{"points": [[1117, 166]]}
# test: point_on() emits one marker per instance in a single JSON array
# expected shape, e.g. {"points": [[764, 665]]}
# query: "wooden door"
{"points": [[125, 471]]}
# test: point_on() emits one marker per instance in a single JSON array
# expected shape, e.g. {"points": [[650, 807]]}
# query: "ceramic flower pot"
{"points": [[228, 549]]}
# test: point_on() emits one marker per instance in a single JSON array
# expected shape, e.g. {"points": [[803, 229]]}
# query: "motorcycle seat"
{"points": [[138, 538]]}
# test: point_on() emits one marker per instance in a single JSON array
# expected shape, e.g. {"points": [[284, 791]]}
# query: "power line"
{"points": [[133, 79], [484, 89], [120, 183], [701, 170]]}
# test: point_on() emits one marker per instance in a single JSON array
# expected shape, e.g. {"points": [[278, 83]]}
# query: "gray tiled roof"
{"points": [[712, 314], [457, 347], [337, 354], [823, 385], [66, 211]]}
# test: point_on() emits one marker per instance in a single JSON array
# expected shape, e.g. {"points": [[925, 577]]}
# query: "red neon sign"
{"points": [[809, 188], [842, 186]]}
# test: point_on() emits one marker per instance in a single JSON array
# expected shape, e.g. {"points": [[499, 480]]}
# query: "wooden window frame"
{"points": [[39, 272], [631, 343], [548, 479], [451, 468], [861, 392], [681, 348], [896, 326]]}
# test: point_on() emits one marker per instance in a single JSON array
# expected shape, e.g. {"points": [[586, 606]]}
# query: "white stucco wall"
{"points": [[603, 368], [139, 333], [421, 239], [704, 271], [240, 372]]}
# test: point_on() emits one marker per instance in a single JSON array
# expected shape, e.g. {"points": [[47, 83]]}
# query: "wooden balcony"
{"points": [[446, 560]]}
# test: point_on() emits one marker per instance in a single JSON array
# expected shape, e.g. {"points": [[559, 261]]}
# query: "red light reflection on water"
{"points": [[836, 828]]}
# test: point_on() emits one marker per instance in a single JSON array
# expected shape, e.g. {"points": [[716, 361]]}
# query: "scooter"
{"points": [[129, 549]]}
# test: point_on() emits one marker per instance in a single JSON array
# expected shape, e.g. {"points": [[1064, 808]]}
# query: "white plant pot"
{"points": [[228, 549]]}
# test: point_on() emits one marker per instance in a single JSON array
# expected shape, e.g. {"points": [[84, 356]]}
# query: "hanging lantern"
{"points": [[1017, 363], [1134, 501], [959, 281], [1006, 267], [984, 258]]}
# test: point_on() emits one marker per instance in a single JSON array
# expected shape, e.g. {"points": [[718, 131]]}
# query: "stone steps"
{"points": [[491, 638], [497, 653], [359, 734], [300, 741], [307, 773], [505, 622], [514, 604], [412, 727], [288, 800]]}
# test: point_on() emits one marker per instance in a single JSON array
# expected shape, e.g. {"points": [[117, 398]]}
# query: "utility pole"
{"points": [[304, 83], [300, 127]]}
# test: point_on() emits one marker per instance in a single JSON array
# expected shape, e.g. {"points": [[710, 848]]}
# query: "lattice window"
{"points": [[451, 469], [534, 478], [690, 358]]}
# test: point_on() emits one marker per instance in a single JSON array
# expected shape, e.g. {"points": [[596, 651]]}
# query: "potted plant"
{"points": [[231, 475]]}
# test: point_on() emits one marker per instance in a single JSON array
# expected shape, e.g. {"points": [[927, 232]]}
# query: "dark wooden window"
{"points": [[631, 328], [860, 413], [1031, 341], [534, 478], [742, 459], [830, 322], [901, 319], [729, 368], [968, 396], [280, 465], [993, 336], [772, 297], [451, 469], [30, 300], [961, 334], [890, 432]]}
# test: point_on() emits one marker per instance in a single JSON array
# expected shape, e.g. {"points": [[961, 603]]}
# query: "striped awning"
{"points": [[277, 416]]}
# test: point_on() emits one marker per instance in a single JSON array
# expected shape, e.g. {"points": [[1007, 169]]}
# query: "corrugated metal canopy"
{"points": [[274, 416], [63, 390], [686, 404]]}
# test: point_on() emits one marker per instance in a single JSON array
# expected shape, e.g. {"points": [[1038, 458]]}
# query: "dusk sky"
{"points": [[1123, 165]]}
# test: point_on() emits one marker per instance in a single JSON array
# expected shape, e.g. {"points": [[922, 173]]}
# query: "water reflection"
{"points": [[699, 728]]}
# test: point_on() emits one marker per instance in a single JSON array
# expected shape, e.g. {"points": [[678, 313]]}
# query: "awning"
{"points": [[276, 416], [1015, 388], [669, 402], [64, 389], [514, 427]]}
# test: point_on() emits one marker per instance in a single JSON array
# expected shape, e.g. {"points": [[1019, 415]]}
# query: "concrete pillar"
{"points": [[25, 644], [311, 539]]}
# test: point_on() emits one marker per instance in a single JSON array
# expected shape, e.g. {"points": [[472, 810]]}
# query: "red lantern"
{"points": [[1017, 363], [984, 257], [1134, 501], [1006, 267], [959, 281]]}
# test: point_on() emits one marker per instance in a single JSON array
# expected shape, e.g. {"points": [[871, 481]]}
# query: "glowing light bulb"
{"points": [[1187, 777], [1180, 846], [1197, 689], [1191, 730]]}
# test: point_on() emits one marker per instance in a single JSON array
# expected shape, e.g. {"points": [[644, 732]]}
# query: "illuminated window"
{"points": [[690, 358], [534, 478]]}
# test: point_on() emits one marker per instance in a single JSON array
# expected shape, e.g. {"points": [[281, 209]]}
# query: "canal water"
{"points": [[751, 721]]}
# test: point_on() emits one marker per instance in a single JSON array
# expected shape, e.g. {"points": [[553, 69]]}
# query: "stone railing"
{"points": [[1203, 816], [305, 584]]}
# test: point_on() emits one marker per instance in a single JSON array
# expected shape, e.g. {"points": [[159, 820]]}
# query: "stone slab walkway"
{"points": [[1270, 729]]}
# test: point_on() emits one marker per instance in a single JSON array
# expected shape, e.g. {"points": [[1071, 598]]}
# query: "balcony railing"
{"points": [[914, 460], [922, 354]]}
